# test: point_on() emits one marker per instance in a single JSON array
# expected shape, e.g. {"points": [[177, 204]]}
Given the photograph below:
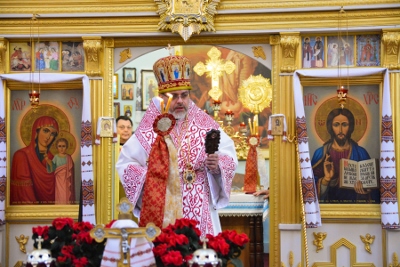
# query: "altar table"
{"points": [[244, 214]]}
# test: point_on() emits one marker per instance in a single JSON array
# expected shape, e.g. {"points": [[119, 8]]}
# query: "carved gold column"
{"points": [[391, 60], [93, 46], [284, 192], [3, 49], [284, 104], [101, 103], [111, 190]]}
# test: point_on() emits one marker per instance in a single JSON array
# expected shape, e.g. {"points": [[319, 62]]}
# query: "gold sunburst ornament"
{"points": [[255, 93], [186, 17]]}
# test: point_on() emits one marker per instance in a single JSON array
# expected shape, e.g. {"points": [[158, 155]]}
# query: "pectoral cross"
{"points": [[150, 232], [215, 67]]}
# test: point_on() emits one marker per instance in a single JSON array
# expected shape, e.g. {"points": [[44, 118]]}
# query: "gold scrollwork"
{"points": [[289, 44], [391, 41], [93, 47]]}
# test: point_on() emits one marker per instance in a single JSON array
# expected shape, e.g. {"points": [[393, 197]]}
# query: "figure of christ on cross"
{"points": [[124, 236], [120, 235]]}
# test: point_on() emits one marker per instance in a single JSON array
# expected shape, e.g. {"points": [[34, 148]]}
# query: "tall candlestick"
{"points": [[169, 102]]}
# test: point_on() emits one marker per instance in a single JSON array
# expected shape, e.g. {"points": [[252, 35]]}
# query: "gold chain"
{"points": [[189, 175]]}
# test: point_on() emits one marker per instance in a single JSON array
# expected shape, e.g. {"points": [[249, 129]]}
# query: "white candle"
{"points": [[169, 102], [250, 126], [256, 124], [161, 105]]}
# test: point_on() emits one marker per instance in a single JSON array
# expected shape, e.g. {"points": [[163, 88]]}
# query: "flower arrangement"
{"points": [[228, 244], [176, 243], [70, 243]]}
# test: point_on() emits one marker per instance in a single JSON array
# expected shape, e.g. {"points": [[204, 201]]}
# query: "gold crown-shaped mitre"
{"points": [[172, 73]]}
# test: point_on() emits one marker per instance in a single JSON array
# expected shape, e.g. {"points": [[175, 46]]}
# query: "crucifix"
{"points": [[215, 67], [150, 232], [39, 240]]}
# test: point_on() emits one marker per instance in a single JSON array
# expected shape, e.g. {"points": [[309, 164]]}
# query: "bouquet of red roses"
{"points": [[175, 245], [70, 243], [228, 245]]}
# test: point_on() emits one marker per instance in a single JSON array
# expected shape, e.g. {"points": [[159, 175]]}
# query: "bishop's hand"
{"points": [[212, 163]]}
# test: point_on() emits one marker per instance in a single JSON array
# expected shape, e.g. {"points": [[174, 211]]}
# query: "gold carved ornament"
{"points": [[395, 259], [125, 55], [368, 239], [258, 51], [186, 17], [255, 93], [319, 240], [22, 240]]}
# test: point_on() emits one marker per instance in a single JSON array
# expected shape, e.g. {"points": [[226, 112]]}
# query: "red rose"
{"points": [[84, 237], [218, 244], [234, 237], [241, 239], [81, 262], [162, 238], [172, 257], [41, 231], [171, 239], [82, 227], [188, 257], [181, 223], [160, 250], [181, 239], [62, 258], [197, 231], [59, 223], [169, 228], [67, 250]]}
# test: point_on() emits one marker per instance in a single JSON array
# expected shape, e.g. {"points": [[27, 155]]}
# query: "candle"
{"points": [[169, 102], [250, 126], [255, 124], [161, 105]]}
